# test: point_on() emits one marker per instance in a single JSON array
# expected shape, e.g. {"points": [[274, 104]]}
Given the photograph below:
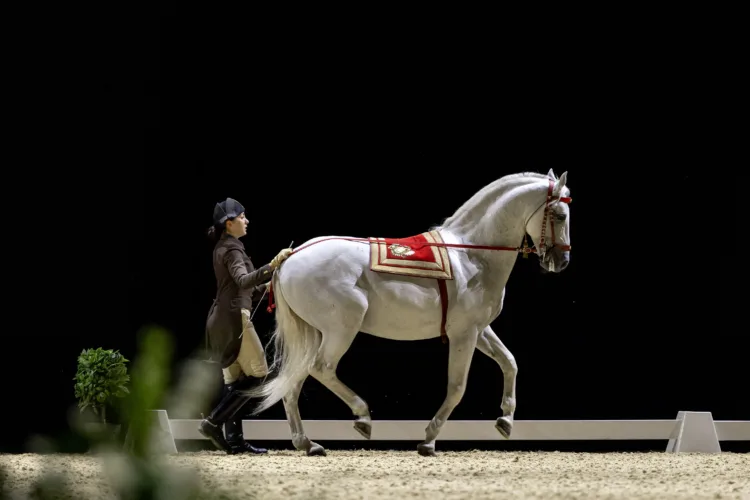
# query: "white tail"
{"points": [[296, 343]]}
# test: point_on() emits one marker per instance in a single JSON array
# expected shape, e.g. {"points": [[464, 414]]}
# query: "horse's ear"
{"points": [[560, 184], [551, 175]]}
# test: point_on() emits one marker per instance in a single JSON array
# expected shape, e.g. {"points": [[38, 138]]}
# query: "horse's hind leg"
{"points": [[332, 348], [490, 344], [299, 439], [459, 360]]}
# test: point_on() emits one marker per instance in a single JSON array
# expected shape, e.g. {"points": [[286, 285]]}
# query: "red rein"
{"points": [[525, 249]]}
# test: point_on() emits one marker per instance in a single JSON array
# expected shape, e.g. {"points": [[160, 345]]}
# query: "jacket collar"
{"points": [[229, 241]]}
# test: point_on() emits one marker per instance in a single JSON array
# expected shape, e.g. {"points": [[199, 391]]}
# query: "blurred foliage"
{"points": [[135, 468]]}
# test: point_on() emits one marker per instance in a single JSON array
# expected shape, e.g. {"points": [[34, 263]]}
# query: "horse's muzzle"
{"points": [[556, 260]]}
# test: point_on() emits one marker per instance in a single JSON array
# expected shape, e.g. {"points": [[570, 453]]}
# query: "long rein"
{"points": [[525, 249]]}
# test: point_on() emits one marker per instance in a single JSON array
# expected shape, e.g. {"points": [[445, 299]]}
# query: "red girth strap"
{"points": [[444, 306]]}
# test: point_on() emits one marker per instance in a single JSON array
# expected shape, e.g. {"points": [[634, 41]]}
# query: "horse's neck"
{"points": [[497, 217]]}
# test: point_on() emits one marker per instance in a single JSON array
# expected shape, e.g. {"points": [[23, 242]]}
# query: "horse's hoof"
{"points": [[504, 426], [364, 427], [316, 451], [426, 450]]}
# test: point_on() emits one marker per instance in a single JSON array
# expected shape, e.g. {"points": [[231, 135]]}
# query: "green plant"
{"points": [[101, 377]]}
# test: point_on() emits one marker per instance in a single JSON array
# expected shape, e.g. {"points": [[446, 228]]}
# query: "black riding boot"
{"points": [[236, 439], [230, 403]]}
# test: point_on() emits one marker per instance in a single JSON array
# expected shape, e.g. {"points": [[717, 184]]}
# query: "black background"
{"points": [[318, 135]]}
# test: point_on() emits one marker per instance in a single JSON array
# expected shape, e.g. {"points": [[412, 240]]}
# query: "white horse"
{"points": [[326, 293]]}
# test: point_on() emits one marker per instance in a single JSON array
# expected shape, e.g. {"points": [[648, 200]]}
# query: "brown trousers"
{"points": [[252, 359]]}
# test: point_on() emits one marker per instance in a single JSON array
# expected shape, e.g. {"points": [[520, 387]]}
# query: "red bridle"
{"points": [[547, 203]]}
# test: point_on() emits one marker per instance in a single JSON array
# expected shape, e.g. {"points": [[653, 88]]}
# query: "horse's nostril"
{"points": [[563, 264]]}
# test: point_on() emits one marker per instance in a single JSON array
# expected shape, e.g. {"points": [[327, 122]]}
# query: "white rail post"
{"points": [[695, 432], [161, 437]]}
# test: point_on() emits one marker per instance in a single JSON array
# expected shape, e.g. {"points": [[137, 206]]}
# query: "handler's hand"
{"points": [[280, 257]]}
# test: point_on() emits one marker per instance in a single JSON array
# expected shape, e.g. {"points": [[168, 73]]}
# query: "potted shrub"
{"points": [[101, 379]]}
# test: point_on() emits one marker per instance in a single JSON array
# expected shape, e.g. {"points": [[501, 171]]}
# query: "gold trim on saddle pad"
{"points": [[402, 262]]}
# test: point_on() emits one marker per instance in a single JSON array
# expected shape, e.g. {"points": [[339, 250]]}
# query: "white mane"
{"points": [[476, 220]]}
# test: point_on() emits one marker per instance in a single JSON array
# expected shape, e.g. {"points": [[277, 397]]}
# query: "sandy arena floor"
{"points": [[397, 474]]}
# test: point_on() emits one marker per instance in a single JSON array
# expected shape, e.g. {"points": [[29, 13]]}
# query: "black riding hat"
{"points": [[227, 209]]}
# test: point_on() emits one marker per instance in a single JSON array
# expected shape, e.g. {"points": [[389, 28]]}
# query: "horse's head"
{"points": [[549, 225]]}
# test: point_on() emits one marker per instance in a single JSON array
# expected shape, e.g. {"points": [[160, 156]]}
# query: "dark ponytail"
{"points": [[214, 232]]}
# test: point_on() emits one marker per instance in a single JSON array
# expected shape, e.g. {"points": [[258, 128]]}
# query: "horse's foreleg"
{"points": [[459, 361], [490, 344], [299, 439], [332, 349]]}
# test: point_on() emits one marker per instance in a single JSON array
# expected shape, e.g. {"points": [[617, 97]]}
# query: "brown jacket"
{"points": [[237, 283]]}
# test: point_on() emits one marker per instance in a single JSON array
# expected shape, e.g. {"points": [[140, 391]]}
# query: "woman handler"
{"points": [[233, 338]]}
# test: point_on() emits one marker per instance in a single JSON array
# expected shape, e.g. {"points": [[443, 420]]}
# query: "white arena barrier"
{"points": [[690, 431]]}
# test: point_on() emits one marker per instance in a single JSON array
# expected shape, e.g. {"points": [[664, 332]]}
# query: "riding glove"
{"points": [[281, 257]]}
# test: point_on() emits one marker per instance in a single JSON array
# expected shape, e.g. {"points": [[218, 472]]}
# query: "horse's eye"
{"points": [[561, 217]]}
